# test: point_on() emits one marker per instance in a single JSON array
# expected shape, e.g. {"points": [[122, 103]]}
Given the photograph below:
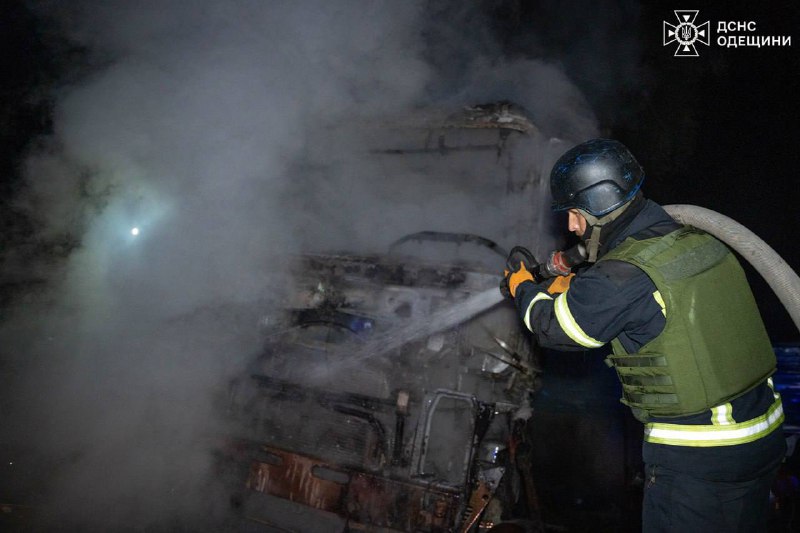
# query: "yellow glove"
{"points": [[560, 284], [517, 277]]}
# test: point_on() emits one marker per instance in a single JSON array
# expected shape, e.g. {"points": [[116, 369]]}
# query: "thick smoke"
{"points": [[228, 134]]}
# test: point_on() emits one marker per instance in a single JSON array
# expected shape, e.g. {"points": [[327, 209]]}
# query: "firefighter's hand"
{"points": [[560, 284], [512, 280]]}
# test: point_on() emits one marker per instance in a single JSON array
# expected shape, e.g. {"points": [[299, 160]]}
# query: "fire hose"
{"points": [[775, 271]]}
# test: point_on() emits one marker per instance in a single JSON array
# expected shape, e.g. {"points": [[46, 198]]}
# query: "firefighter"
{"points": [[688, 343]]}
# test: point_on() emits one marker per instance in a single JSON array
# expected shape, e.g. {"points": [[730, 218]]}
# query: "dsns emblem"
{"points": [[686, 33]]}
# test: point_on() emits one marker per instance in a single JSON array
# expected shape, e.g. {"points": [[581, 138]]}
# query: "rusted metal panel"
{"points": [[478, 501], [360, 497], [293, 478]]}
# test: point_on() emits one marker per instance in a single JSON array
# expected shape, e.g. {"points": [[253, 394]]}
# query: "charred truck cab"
{"points": [[344, 427]]}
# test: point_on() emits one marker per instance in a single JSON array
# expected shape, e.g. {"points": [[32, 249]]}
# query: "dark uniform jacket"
{"points": [[615, 299]]}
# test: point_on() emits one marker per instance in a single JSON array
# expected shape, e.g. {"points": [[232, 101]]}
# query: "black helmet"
{"points": [[597, 177]]}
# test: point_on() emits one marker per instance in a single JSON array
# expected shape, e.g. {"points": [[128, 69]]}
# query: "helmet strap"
{"points": [[593, 243], [596, 225]]}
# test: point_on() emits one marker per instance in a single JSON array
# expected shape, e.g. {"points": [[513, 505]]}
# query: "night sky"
{"points": [[718, 130]]}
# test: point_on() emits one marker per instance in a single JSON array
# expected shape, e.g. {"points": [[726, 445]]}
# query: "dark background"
{"points": [[718, 130]]}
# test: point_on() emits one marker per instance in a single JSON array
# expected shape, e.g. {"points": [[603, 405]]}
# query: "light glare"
{"points": [[134, 231]]}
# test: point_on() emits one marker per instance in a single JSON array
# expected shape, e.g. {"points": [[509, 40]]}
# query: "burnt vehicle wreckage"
{"points": [[437, 446], [363, 413]]}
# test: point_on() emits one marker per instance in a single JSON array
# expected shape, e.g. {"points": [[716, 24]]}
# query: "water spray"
{"points": [[559, 263]]}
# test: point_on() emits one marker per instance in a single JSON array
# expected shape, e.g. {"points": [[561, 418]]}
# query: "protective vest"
{"points": [[713, 348]]}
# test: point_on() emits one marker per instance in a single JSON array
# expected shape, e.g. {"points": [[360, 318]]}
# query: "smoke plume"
{"points": [[207, 141]]}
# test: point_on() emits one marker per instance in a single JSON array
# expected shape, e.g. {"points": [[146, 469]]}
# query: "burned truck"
{"points": [[393, 391]]}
